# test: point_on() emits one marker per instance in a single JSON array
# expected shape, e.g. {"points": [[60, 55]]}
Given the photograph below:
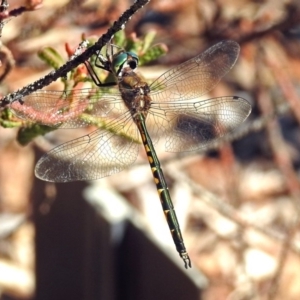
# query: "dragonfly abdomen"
{"points": [[162, 190]]}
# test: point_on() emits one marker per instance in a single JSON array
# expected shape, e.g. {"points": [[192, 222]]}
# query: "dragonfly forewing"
{"points": [[196, 76], [70, 109]]}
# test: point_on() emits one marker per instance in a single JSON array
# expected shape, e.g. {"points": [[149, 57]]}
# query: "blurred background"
{"points": [[238, 204]]}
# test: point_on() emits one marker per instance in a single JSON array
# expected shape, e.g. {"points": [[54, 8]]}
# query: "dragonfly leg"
{"points": [[95, 77]]}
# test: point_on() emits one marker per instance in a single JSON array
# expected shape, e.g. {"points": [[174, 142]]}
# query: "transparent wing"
{"points": [[70, 109], [190, 126], [196, 76], [95, 155]]}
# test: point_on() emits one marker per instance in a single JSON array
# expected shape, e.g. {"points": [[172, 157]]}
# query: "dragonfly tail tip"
{"points": [[186, 259]]}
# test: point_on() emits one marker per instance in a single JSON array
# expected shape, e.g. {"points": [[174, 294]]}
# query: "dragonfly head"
{"points": [[124, 60]]}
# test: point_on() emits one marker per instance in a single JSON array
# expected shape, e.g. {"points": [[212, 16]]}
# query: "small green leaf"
{"points": [[148, 40], [7, 119], [120, 38], [153, 53], [51, 57], [27, 134]]}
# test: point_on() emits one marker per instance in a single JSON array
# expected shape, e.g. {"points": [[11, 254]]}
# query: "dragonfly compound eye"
{"points": [[118, 61], [124, 60], [132, 60], [132, 64]]}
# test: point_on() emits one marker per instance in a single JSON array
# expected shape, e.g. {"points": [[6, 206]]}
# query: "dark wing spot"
{"points": [[196, 130]]}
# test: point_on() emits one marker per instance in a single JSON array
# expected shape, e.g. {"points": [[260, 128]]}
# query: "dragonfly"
{"points": [[133, 113]]}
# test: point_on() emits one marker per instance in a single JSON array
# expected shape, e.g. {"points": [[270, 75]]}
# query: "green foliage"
{"points": [[7, 119], [27, 134], [51, 57]]}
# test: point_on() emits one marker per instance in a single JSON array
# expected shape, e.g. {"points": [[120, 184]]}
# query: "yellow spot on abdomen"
{"points": [[166, 212], [160, 191]]}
